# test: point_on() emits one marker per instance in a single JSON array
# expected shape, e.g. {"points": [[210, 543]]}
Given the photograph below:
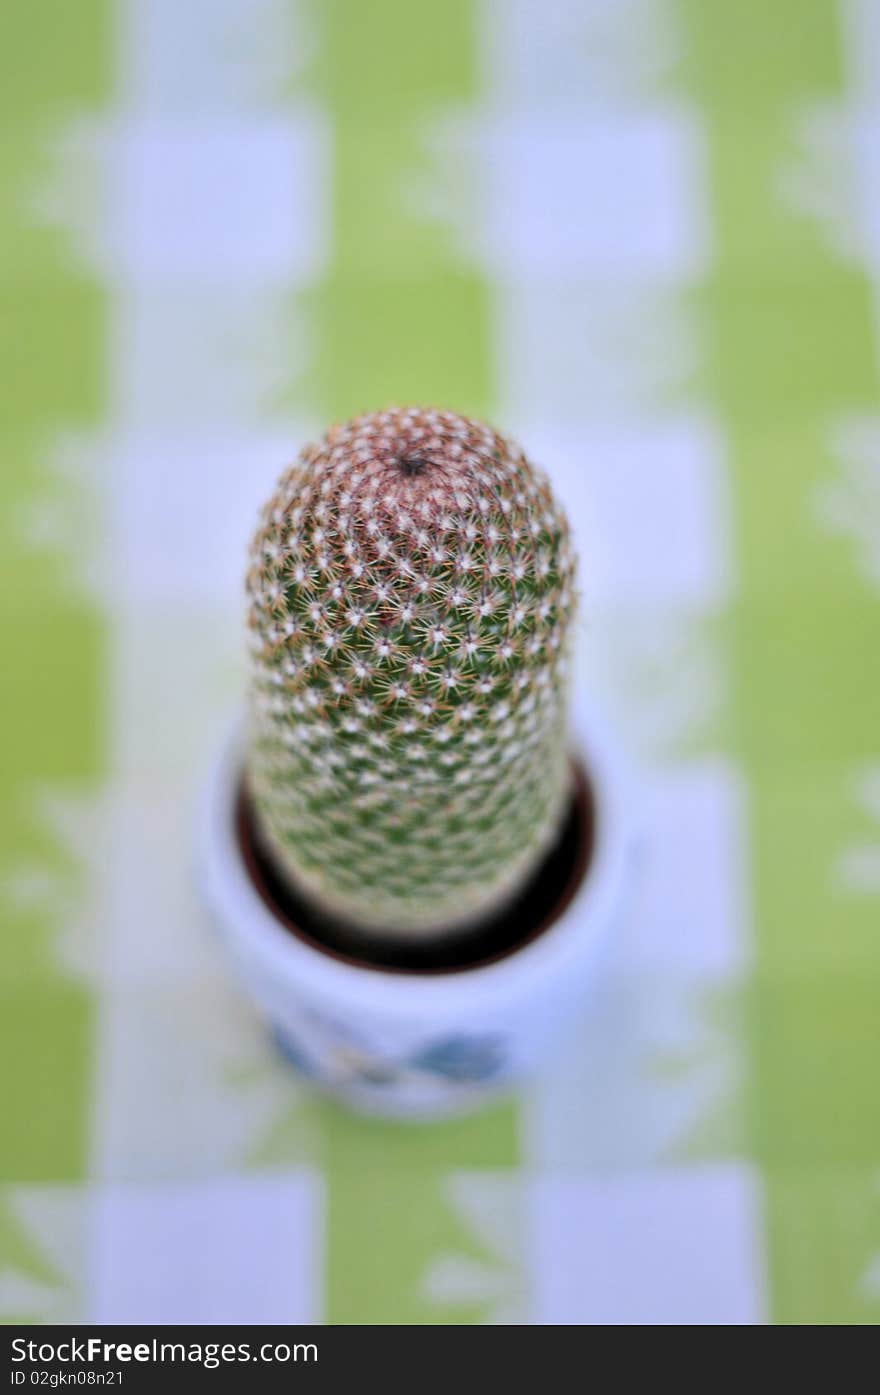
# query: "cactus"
{"points": [[411, 594]]}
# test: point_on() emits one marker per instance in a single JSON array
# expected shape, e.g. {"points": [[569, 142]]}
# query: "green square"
{"points": [[51, 353], [57, 55], [786, 352], [53, 693], [39, 253], [389, 1213], [31, 851], [804, 821], [391, 57], [824, 1231], [46, 1062], [36, 571], [384, 1231], [380, 232], [761, 233], [750, 54], [356, 1146], [400, 342], [816, 1042]]}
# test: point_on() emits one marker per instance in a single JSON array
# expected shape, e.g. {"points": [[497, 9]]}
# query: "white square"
{"points": [[690, 912], [159, 926], [860, 33], [233, 1251], [179, 676], [649, 508], [181, 361], [41, 1270], [207, 55], [865, 137], [208, 201], [661, 670], [664, 1248], [188, 1085], [580, 351], [566, 51], [861, 42], [580, 195], [649, 1074], [187, 506]]}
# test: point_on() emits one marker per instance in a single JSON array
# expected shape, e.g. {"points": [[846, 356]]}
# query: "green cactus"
{"points": [[411, 596]]}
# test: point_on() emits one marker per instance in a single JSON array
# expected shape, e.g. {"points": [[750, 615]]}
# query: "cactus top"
{"points": [[411, 594]]}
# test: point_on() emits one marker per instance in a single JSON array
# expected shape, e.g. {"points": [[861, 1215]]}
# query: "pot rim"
{"points": [[523, 971]]}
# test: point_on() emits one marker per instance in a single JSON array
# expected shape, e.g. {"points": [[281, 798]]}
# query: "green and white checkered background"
{"points": [[644, 235]]}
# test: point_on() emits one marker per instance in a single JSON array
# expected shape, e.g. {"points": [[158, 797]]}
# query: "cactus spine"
{"points": [[411, 594]]}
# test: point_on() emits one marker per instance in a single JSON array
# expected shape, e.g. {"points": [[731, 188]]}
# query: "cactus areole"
{"points": [[411, 594]]}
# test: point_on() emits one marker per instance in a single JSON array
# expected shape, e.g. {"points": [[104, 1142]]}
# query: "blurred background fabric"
{"points": [[643, 236]]}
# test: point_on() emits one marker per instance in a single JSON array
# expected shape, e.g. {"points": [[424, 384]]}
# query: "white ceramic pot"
{"points": [[410, 1043]]}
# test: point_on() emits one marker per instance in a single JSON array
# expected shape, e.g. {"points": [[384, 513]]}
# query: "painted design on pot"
{"points": [[411, 593], [323, 1052]]}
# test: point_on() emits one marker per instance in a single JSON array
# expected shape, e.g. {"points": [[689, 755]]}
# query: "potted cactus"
{"points": [[408, 858]]}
